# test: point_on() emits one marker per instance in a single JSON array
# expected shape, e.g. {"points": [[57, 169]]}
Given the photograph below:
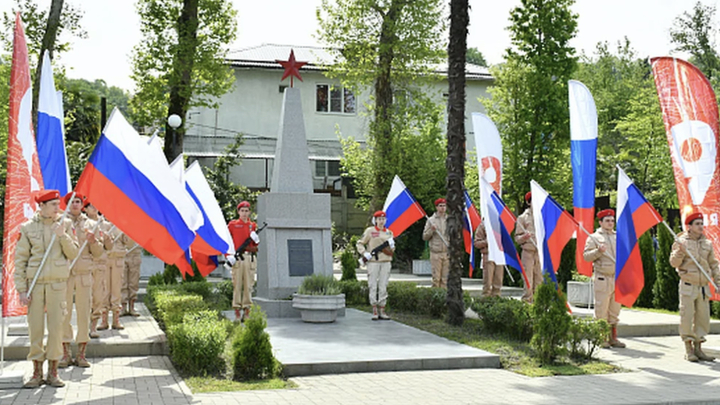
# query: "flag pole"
{"points": [[97, 224], [702, 270], [438, 232], [47, 252]]}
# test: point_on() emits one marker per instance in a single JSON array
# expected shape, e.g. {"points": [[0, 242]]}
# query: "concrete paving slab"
{"points": [[141, 337], [11, 379], [355, 343]]}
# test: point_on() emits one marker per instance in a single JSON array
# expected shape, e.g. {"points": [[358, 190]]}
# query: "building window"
{"points": [[334, 99], [327, 168]]}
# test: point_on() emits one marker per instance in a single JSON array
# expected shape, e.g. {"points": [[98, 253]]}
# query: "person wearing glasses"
{"points": [[600, 249]]}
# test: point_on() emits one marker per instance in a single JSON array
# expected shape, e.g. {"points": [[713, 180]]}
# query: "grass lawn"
{"points": [[514, 356], [213, 384]]}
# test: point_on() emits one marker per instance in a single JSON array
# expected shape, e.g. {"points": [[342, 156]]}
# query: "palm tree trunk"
{"points": [[455, 163]]}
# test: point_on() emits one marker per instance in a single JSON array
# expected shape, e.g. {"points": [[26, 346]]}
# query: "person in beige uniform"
{"points": [[79, 283], [131, 278], [601, 250], [100, 291], [378, 266], [435, 233], [48, 295], [492, 273], [525, 237], [116, 267], [694, 293]]}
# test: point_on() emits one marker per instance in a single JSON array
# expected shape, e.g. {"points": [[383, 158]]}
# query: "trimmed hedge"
{"points": [[197, 344], [172, 306], [506, 316]]}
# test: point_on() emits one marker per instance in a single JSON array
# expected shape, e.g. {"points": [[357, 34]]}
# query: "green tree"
{"points": [[552, 322], [529, 103], [390, 45], [227, 193], [647, 253], [665, 290], [693, 32], [180, 61], [82, 107], [476, 57]]}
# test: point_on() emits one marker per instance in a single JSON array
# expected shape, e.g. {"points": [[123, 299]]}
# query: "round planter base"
{"points": [[319, 315], [318, 308]]}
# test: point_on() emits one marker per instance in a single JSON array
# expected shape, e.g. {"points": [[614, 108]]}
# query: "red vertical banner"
{"points": [[690, 113], [23, 168]]}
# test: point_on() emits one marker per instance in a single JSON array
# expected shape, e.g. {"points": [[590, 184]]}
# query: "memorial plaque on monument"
{"points": [[300, 257]]}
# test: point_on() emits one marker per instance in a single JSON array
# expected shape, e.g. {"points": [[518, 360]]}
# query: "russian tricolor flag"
{"points": [[635, 216], [471, 221], [138, 193], [50, 136], [499, 223], [554, 227], [401, 208], [583, 154]]}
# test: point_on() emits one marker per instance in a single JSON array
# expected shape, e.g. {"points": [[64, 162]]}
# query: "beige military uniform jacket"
{"points": [[702, 250], [480, 239], [107, 242], [435, 242], [120, 243], [83, 224], [35, 237], [372, 238], [602, 262], [525, 224]]}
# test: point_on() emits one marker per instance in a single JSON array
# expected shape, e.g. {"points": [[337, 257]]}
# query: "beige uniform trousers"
{"points": [[531, 264], [79, 286], [243, 278], [440, 264], [116, 268], [694, 312], [605, 305], [131, 279], [50, 297], [492, 278], [378, 278], [100, 298]]}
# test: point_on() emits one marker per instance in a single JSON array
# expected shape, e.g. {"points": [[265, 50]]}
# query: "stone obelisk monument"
{"points": [[297, 241]]}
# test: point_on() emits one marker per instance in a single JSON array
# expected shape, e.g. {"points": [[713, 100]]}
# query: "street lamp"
{"points": [[174, 121]]}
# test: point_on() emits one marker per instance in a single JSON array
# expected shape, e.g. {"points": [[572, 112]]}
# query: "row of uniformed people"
{"points": [[94, 284]]}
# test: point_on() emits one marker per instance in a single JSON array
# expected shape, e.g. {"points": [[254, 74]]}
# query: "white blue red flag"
{"points": [[554, 227], [583, 154], [138, 193], [50, 139], [499, 223], [489, 150], [471, 220], [401, 208], [635, 216]]}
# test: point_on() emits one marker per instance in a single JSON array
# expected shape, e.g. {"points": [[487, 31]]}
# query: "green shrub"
{"points": [[197, 344], [319, 284], [506, 316], [197, 276], [202, 288], [402, 296], [349, 264], [585, 336], [356, 292], [431, 301], [252, 356], [567, 265], [156, 279], [647, 253], [665, 290], [172, 306], [225, 288], [171, 274], [552, 322]]}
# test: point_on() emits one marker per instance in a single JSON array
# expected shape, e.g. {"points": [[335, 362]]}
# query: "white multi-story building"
{"points": [[253, 107]]}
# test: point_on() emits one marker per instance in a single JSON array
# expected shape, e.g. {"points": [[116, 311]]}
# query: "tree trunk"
{"points": [[181, 76], [455, 162], [382, 124], [48, 43]]}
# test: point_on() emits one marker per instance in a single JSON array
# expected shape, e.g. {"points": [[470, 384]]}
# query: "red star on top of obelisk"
{"points": [[292, 67]]}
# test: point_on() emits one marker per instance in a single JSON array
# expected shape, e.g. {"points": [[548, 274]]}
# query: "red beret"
{"points": [[606, 213], [243, 204], [67, 201], [379, 214], [47, 195], [440, 201], [692, 217], [528, 196]]}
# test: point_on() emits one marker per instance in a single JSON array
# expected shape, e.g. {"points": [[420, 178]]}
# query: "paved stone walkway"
{"points": [[657, 374]]}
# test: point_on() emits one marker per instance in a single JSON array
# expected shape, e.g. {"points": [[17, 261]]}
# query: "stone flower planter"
{"points": [[318, 308], [421, 267], [580, 294]]}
